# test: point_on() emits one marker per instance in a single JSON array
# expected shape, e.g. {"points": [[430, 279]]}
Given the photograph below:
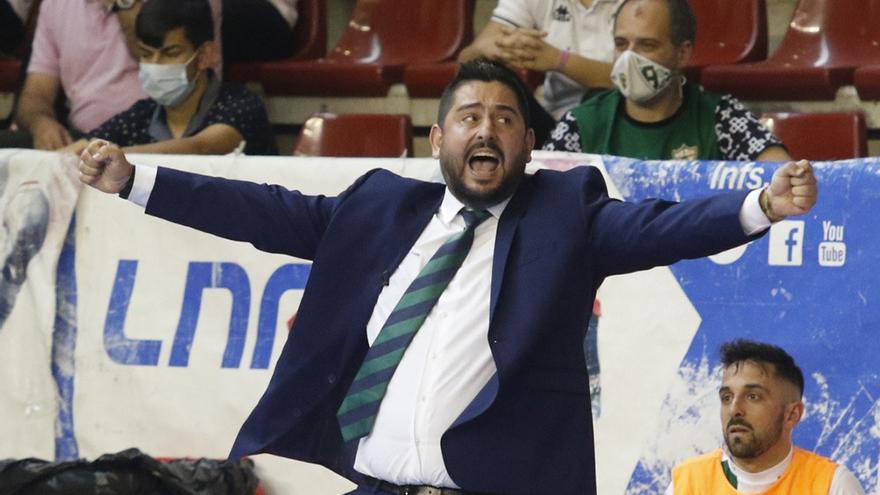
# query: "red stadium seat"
{"points": [[382, 37], [867, 81], [825, 42], [727, 33], [820, 136], [310, 40], [429, 80], [374, 135]]}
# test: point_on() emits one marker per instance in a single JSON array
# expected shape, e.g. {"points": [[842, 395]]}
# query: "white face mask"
{"points": [[639, 78], [167, 84]]}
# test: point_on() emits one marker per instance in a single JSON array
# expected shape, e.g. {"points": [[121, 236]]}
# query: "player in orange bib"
{"points": [[761, 402]]}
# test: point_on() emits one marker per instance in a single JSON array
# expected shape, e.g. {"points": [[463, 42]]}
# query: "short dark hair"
{"points": [[742, 350], [486, 70], [158, 17], [682, 22]]}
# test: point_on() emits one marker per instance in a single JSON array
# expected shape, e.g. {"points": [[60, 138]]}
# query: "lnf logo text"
{"points": [[201, 276]]}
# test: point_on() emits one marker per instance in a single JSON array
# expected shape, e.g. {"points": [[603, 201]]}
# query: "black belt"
{"points": [[414, 489]]}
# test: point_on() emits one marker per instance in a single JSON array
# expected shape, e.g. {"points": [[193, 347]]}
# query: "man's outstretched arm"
{"points": [[270, 217], [636, 236]]}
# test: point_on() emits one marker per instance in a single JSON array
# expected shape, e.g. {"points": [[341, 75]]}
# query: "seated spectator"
{"points": [[761, 403], [566, 39], [71, 36], [13, 18], [258, 30], [653, 113], [189, 110]]}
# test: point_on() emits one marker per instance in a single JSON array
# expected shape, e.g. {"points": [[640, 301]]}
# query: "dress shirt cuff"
{"points": [[751, 216], [144, 180]]}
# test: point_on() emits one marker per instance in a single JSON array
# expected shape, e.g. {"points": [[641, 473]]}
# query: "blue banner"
{"points": [[810, 286]]}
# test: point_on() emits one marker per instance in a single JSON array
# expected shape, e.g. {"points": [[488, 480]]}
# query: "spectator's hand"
{"points": [[49, 134], [526, 49], [792, 191], [103, 166]]}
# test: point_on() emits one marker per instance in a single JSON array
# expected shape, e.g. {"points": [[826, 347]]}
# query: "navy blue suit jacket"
{"points": [[530, 429]]}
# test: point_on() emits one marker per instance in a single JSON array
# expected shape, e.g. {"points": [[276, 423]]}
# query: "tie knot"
{"points": [[473, 218]]}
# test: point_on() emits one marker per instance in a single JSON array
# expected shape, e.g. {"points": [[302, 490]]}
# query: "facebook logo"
{"points": [[786, 243]]}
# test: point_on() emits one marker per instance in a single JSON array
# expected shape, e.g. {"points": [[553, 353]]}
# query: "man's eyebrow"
{"points": [[748, 386], [509, 108], [469, 106], [145, 46]]}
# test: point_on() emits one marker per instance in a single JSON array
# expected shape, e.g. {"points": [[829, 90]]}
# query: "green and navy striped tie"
{"points": [[358, 411]]}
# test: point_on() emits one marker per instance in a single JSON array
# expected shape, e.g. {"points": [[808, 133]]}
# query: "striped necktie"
{"points": [[359, 408]]}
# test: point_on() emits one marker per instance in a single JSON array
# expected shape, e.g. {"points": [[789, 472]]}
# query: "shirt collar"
{"points": [[451, 206], [769, 475]]}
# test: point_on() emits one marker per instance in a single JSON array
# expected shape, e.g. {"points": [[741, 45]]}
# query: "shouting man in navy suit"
{"points": [[438, 345]]}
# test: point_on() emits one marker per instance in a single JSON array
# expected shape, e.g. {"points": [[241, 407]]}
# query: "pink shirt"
{"points": [[82, 45]]}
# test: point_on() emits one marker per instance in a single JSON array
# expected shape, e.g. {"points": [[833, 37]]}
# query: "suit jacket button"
{"points": [[331, 378]]}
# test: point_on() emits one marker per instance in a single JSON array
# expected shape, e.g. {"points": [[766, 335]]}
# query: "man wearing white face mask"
{"points": [[82, 70], [189, 110], [653, 112]]}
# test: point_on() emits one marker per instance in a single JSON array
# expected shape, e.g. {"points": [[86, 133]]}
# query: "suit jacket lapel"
{"points": [[417, 211], [507, 225]]}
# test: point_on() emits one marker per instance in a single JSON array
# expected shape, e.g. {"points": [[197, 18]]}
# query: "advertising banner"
{"points": [[141, 333], [38, 192]]}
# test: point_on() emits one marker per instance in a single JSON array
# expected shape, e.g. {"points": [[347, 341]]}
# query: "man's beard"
{"points": [[754, 445], [483, 199]]}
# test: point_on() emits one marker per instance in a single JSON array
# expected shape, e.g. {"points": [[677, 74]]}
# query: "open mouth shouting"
{"points": [[484, 161]]}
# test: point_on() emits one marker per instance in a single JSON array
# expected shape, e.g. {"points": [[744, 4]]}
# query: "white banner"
{"points": [[176, 332], [38, 192]]}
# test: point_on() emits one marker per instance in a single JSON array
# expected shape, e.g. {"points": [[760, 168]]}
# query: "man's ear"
{"points": [[684, 51], [436, 138], [794, 411], [530, 144], [208, 55]]}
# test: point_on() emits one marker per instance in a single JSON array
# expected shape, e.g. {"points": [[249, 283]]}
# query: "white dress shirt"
{"points": [[449, 360]]}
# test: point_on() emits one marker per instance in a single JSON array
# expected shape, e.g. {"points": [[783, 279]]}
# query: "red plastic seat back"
{"points": [[310, 32], [347, 135], [729, 32], [831, 33], [820, 136], [402, 31], [867, 82]]}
